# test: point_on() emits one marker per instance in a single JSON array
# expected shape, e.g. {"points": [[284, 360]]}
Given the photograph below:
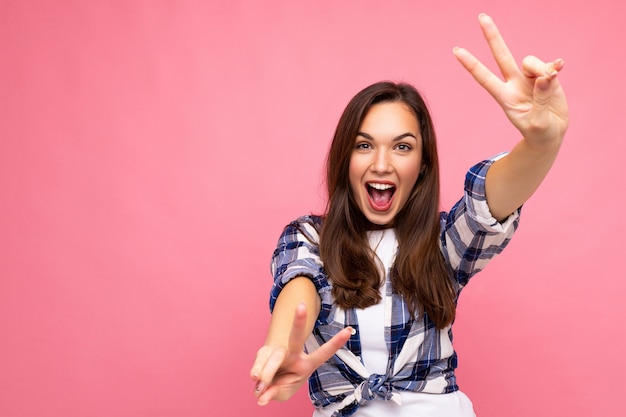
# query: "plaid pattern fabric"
{"points": [[421, 358]]}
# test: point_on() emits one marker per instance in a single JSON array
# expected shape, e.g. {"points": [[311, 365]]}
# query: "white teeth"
{"points": [[380, 186]]}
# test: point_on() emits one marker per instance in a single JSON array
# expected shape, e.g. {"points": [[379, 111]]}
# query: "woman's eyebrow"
{"points": [[397, 138]]}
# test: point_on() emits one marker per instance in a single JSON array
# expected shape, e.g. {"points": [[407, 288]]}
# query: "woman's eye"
{"points": [[363, 145], [403, 147]]}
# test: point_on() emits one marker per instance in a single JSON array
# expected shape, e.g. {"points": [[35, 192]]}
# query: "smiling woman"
{"points": [[381, 270], [377, 265]]}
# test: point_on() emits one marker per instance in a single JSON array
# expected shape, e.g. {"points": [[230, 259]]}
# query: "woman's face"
{"points": [[386, 161]]}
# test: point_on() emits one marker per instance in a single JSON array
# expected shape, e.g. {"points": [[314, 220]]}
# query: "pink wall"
{"points": [[151, 151]]}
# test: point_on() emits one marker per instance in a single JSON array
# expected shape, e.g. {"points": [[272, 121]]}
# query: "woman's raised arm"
{"points": [[534, 102]]}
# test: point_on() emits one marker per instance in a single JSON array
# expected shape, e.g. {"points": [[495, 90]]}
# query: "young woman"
{"points": [[364, 296]]}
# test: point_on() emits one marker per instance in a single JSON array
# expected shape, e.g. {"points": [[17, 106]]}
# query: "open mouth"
{"points": [[381, 195]]}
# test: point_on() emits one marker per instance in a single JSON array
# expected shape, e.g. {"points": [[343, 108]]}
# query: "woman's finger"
{"points": [[298, 334], [272, 364], [268, 395], [500, 51], [259, 363], [488, 80], [533, 67], [328, 349]]}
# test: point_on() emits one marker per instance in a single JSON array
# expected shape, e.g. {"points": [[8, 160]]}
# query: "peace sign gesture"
{"points": [[531, 96], [280, 371]]}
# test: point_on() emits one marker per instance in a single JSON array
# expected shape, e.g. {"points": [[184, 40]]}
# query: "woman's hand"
{"points": [[279, 371], [531, 97]]}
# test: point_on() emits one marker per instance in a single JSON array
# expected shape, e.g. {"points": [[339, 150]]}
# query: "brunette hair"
{"points": [[420, 274]]}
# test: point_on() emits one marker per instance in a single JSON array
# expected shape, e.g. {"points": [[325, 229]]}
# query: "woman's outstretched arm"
{"points": [[534, 102], [281, 365]]}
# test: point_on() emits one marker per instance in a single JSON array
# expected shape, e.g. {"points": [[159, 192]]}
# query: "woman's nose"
{"points": [[381, 162]]}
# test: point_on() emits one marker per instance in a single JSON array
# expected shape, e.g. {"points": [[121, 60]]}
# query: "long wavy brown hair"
{"points": [[420, 274]]}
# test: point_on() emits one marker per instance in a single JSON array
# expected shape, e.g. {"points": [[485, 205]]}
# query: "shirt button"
{"points": [[353, 332]]}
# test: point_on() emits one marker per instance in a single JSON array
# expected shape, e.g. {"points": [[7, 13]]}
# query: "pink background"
{"points": [[151, 151]]}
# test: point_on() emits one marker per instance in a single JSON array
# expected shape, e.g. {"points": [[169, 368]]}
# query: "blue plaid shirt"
{"points": [[421, 358]]}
